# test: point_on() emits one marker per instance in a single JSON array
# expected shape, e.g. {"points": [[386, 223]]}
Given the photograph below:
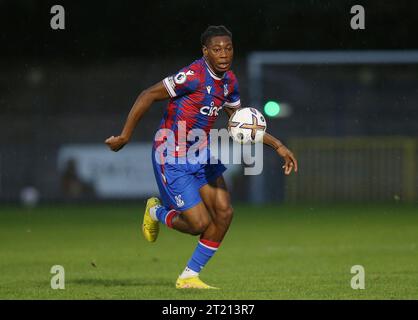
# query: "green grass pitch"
{"points": [[270, 252]]}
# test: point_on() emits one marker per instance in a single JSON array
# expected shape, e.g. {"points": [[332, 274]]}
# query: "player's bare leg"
{"points": [[210, 219], [193, 221], [217, 200]]}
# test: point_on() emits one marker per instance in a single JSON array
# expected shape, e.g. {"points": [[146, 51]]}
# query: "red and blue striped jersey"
{"points": [[197, 96]]}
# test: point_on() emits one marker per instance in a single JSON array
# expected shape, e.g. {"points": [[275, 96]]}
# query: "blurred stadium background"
{"points": [[72, 88], [353, 126]]}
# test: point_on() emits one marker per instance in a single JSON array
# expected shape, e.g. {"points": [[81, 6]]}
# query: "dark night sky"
{"points": [[107, 29]]}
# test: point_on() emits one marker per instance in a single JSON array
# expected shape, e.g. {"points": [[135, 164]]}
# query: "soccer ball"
{"points": [[247, 125]]}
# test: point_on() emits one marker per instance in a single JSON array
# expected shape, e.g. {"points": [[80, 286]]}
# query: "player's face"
{"points": [[219, 53]]}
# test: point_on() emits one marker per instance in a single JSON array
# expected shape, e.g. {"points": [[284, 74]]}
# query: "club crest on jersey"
{"points": [[179, 201], [208, 88], [180, 78], [225, 90]]}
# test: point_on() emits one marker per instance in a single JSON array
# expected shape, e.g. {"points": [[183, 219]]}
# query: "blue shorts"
{"points": [[179, 184]]}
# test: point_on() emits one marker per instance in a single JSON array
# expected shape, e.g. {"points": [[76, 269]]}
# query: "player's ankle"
{"points": [[188, 273], [153, 212]]}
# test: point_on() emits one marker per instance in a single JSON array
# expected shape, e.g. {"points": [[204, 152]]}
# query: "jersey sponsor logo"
{"points": [[208, 88], [179, 201], [210, 110], [180, 78]]}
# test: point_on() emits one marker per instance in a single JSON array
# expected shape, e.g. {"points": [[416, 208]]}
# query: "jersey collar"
{"points": [[211, 72]]}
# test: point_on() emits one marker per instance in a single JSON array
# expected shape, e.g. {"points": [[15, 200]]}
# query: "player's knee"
{"points": [[199, 227], [224, 213]]}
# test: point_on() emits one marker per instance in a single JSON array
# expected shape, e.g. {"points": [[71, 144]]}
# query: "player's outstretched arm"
{"points": [[290, 161], [230, 111], [156, 92]]}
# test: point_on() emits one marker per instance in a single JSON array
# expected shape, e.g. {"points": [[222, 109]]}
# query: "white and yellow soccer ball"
{"points": [[247, 125]]}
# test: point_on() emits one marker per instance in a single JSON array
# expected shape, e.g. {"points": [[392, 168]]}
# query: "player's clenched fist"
{"points": [[116, 143]]}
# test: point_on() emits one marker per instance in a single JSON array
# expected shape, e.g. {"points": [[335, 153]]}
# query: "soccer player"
{"points": [[195, 199]]}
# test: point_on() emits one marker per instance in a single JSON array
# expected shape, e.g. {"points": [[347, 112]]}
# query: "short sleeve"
{"points": [[233, 98], [183, 82]]}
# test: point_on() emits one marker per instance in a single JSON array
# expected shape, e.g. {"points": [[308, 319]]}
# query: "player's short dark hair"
{"points": [[214, 31]]}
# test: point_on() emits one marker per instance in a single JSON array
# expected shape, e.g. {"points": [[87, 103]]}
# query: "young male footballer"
{"points": [[194, 196]]}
